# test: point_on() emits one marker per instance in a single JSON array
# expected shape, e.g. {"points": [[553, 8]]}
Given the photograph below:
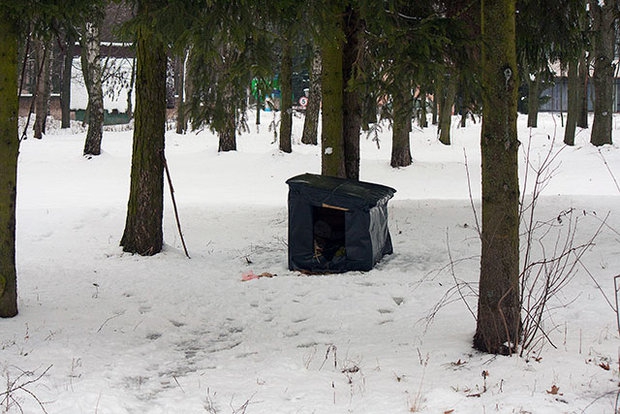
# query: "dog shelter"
{"points": [[336, 225]]}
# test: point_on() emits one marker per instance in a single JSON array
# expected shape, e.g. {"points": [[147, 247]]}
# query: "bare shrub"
{"points": [[18, 387]]}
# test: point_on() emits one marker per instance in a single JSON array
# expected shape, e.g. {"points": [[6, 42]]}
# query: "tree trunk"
{"points": [[179, 76], [311, 122], [401, 127], [9, 149], [447, 94], [228, 134], [65, 87], [574, 99], [143, 229], [286, 96], [533, 101], [132, 83], [423, 110], [352, 105], [434, 110], [499, 322], [42, 93], [93, 72], [603, 78], [584, 76], [332, 155]]}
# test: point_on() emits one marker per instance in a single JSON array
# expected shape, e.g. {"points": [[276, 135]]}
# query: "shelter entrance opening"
{"points": [[336, 225], [329, 232]]}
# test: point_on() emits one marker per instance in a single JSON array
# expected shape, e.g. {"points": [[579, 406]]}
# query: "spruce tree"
{"points": [[143, 232], [498, 321]]}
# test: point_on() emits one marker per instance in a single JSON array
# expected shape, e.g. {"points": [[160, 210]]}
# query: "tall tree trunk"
{"points": [[65, 87], [435, 108], [447, 94], [286, 96], [228, 134], [42, 93], [9, 149], [402, 112], [352, 105], [574, 99], [179, 76], [603, 78], [533, 101], [584, 76], [423, 110], [93, 73], [332, 144], [143, 229], [311, 121], [499, 322]]}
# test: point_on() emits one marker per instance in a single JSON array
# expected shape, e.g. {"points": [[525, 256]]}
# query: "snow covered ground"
{"points": [[101, 331]]}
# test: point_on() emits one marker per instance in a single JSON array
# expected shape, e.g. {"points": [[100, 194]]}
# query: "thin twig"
{"points": [[174, 203], [471, 197], [116, 315], [613, 177], [452, 272]]}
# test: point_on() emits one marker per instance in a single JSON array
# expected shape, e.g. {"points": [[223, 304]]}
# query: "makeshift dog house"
{"points": [[336, 225]]}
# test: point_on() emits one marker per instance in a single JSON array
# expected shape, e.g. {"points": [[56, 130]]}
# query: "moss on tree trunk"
{"points": [[498, 322], [143, 229], [9, 147], [332, 151], [352, 104]]}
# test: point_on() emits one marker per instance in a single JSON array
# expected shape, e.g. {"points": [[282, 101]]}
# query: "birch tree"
{"points": [[92, 70]]}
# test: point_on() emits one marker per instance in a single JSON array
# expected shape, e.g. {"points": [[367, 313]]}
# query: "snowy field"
{"points": [[105, 332]]}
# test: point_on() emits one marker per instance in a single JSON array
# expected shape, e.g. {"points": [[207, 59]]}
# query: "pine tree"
{"points": [[143, 232], [498, 322]]}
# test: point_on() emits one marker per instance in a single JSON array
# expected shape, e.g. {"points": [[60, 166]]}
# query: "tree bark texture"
{"points": [[9, 148], [143, 229], [42, 94], [447, 94], [574, 100], [603, 77], [93, 73], [65, 87], [352, 104], [498, 321], [286, 97], [311, 121], [332, 144], [402, 106], [228, 133]]}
